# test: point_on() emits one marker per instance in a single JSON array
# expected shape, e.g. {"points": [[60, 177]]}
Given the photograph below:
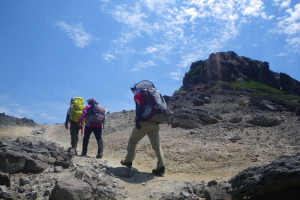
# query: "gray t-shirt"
{"points": [[69, 111]]}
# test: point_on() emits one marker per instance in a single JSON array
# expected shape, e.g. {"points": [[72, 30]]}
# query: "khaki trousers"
{"points": [[152, 130]]}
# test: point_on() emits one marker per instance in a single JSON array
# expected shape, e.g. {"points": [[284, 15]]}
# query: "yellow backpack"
{"points": [[76, 108]]}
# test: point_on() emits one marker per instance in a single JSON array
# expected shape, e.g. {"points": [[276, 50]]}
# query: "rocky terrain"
{"points": [[219, 144]]}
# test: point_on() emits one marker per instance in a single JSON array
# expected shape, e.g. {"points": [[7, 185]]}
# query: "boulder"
{"points": [[24, 181], [191, 118], [57, 169], [207, 100], [184, 120], [64, 160], [4, 179], [264, 121], [297, 111], [70, 189], [16, 161], [198, 102], [212, 183], [35, 166], [121, 172], [203, 95], [235, 139], [198, 189], [3, 190], [3, 163], [215, 193], [269, 105], [262, 180]]}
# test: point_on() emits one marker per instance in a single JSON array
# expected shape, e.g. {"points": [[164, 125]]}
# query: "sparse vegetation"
{"points": [[178, 91], [251, 85], [197, 70]]}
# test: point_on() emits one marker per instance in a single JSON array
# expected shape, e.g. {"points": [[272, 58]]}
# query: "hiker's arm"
{"points": [[67, 120], [138, 114], [84, 112], [138, 111]]}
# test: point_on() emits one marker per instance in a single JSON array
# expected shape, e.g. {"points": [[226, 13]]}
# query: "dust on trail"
{"points": [[15, 131]]}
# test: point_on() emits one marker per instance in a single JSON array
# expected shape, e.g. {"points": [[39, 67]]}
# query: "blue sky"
{"points": [[52, 50]]}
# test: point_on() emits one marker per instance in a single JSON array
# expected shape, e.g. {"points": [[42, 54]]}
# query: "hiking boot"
{"points": [[127, 164], [159, 171], [99, 155], [83, 154]]}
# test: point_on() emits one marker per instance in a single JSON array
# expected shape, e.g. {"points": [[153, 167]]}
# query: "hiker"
{"points": [[90, 126], [144, 127], [76, 106]]}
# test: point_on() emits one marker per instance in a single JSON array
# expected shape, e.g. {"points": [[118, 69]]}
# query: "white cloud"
{"points": [[105, 1], [134, 18], [285, 4], [179, 29], [294, 42], [177, 75], [289, 25], [151, 49], [255, 45], [108, 57], [140, 65], [77, 33], [282, 54]]}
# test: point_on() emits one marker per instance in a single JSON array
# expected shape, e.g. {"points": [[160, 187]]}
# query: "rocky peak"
{"points": [[229, 67]]}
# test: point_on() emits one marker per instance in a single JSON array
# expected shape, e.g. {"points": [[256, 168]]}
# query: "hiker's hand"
{"points": [[79, 124], [137, 125], [66, 126]]}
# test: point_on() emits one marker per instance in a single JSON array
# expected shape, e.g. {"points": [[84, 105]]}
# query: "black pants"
{"points": [[98, 135], [74, 131]]}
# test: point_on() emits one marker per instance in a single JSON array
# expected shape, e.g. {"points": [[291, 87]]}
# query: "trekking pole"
{"points": [[81, 130]]}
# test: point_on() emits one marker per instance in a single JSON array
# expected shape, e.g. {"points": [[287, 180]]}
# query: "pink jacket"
{"points": [[84, 114]]}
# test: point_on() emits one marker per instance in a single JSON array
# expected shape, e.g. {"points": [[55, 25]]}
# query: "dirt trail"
{"points": [[142, 183]]}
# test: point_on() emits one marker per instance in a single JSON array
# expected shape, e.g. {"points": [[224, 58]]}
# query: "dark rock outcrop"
{"points": [[191, 118], [277, 104], [268, 105], [24, 156], [264, 121], [71, 189], [6, 120], [263, 180], [4, 179], [229, 67], [215, 193]]}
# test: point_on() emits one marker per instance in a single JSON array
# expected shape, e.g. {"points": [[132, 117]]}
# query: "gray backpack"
{"points": [[97, 114], [155, 105]]}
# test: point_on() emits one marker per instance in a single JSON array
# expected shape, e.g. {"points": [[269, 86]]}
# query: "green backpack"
{"points": [[76, 108]]}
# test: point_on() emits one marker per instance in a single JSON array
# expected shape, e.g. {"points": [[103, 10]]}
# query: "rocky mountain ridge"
{"points": [[229, 67]]}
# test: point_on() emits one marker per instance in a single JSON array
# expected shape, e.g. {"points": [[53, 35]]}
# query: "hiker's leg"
{"points": [[77, 135], [74, 134], [87, 133], [136, 136], [155, 143], [98, 135]]}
